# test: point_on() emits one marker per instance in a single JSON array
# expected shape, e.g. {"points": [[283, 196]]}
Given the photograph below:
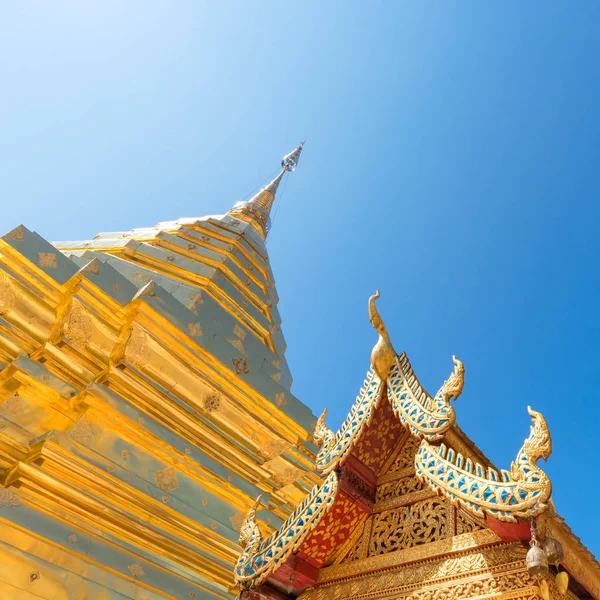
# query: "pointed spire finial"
{"points": [[257, 210]]}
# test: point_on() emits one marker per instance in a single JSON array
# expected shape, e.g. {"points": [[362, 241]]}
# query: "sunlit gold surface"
{"points": [[144, 403]]}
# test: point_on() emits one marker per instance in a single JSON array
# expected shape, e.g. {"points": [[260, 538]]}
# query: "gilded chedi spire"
{"points": [[257, 210]]}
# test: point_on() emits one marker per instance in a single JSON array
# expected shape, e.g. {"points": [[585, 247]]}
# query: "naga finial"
{"points": [[321, 429], [539, 442], [453, 386], [249, 531], [383, 354], [537, 445]]}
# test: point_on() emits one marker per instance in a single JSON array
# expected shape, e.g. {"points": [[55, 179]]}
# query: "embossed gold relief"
{"points": [[499, 562], [137, 350], [402, 486], [409, 526], [7, 295], [522, 492], [9, 498], [211, 403], [78, 325], [136, 570], [194, 329], [240, 366], [13, 405], [47, 259], [287, 476], [446, 547], [465, 523], [166, 479], [274, 448], [82, 431], [379, 439]]}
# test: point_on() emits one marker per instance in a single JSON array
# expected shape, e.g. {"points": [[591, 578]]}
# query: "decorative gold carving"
{"points": [[13, 405], [450, 545], [280, 399], [137, 351], [9, 498], [166, 479], [139, 277], [465, 523], [424, 580], [195, 299], [72, 539], [273, 448], [239, 332], [408, 526], [16, 235], [79, 326], [240, 366], [82, 431], [211, 403], [287, 476], [393, 489], [7, 294], [383, 354], [276, 377], [453, 386], [47, 259], [194, 329], [238, 345], [406, 456], [136, 570], [398, 501], [522, 492]]}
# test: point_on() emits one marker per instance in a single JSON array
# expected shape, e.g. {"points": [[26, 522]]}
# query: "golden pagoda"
{"points": [[410, 509], [144, 403]]}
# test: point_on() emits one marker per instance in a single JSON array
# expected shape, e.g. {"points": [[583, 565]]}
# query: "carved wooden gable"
{"points": [[406, 512]]}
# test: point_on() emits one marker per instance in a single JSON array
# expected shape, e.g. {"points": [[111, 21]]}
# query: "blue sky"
{"points": [[452, 162]]}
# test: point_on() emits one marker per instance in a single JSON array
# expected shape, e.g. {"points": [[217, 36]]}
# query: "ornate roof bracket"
{"points": [[423, 415], [261, 558], [521, 492], [335, 447]]}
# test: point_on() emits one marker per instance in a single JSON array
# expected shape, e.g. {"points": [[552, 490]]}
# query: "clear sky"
{"points": [[452, 162]]}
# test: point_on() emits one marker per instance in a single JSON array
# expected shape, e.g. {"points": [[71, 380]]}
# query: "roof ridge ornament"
{"points": [[257, 210], [453, 386], [521, 492], [383, 354]]}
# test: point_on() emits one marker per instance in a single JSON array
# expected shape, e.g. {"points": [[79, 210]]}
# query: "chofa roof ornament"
{"points": [[383, 354], [521, 492]]}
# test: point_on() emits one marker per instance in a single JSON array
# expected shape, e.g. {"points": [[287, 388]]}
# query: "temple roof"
{"points": [[355, 461]]}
